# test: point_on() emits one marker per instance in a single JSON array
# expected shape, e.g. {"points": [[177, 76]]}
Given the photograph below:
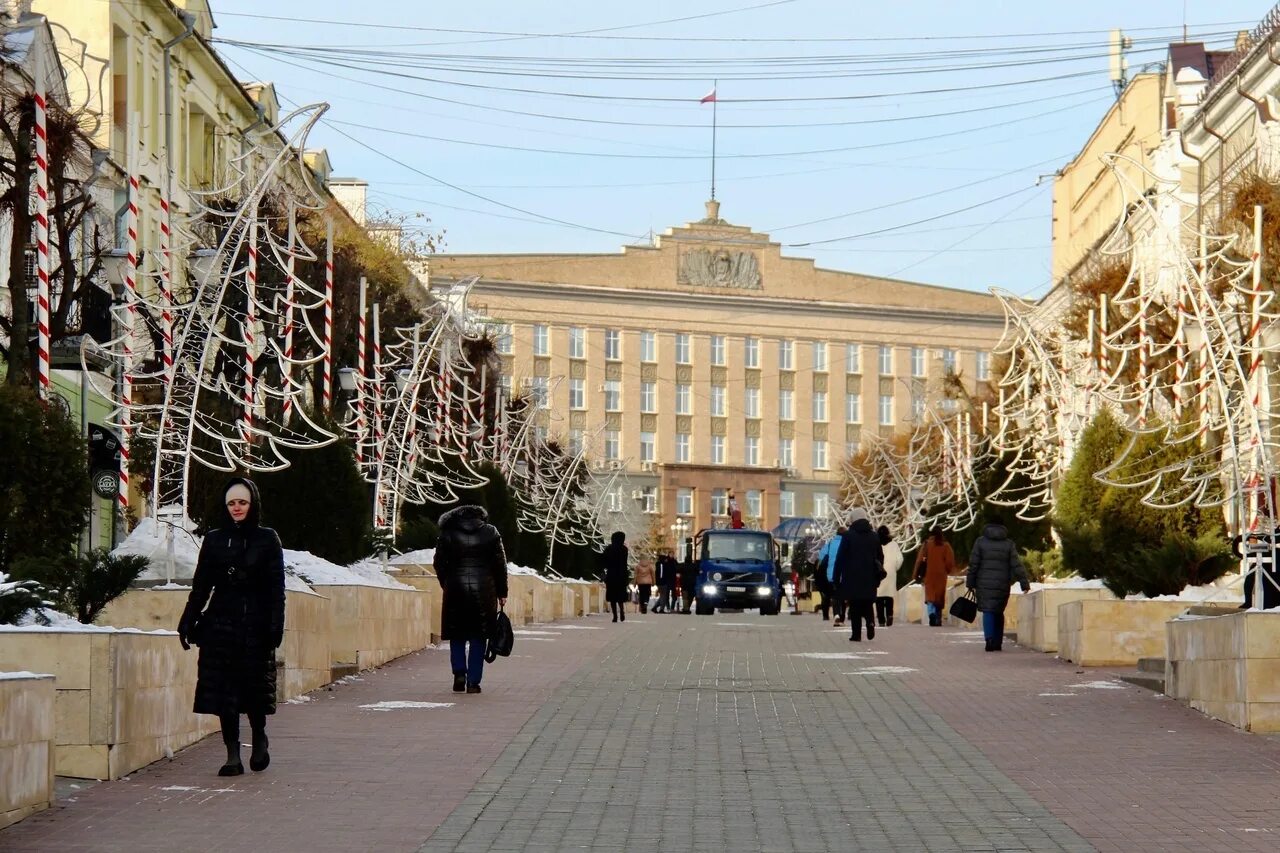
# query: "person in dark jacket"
{"points": [[240, 575], [666, 570], [859, 568], [688, 576], [616, 574], [471, 566], [993, 567]]}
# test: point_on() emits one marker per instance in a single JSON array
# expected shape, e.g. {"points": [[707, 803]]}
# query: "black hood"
{"points": [[465, 518], [862, 525], [995, 532], [618, 538], [254, 518]]}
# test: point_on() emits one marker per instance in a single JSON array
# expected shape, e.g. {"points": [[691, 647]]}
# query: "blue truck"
{"points": [[738, 570]]}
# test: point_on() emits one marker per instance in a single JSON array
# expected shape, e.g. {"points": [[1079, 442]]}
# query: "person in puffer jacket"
{"points": [[993, 567], [471, 566]]}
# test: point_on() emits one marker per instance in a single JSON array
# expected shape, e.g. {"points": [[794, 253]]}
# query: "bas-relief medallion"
{"points": [[719, 268]]}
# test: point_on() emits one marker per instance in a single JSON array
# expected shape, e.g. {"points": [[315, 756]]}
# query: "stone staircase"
{"points": [[1149, 674]]}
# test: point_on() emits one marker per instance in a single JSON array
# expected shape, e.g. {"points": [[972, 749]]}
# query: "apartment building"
{"points": [[709, 363]]}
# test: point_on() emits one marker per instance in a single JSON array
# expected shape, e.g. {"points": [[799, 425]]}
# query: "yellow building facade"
{"points": [[709, 363]]}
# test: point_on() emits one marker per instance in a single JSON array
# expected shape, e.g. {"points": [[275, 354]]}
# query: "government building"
{"points": [[709, 363]]}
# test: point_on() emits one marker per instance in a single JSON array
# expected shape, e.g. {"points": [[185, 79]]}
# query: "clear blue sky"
{"points": [[603, 130]]}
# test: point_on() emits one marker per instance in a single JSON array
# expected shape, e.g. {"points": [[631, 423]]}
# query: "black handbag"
{"points": [[965, 609], [503, 638]]}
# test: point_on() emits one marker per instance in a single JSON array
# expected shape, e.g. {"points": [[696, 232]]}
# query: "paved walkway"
{"points": [[731, 732]]}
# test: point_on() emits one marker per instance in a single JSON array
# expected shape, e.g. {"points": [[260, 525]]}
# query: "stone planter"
{"points": [[957, 590], [1037, 612], [27, 745], [909, 605], [1115, 633], [374, 624], [1227, 667], [123, 698]]}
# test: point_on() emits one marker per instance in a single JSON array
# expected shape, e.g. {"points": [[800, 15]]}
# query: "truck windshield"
{"points": [[739, 547]]}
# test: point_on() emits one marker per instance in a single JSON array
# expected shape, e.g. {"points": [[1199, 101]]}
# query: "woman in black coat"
{"points": [[471, 566], [994, 565], [616, 575], [240, 575], [859, 569]]}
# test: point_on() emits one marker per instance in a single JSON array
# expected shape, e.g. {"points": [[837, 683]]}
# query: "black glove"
{"points": [[184, 633], [277, 637]]}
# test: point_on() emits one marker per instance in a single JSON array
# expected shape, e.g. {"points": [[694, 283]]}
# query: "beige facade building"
{"points": [[709, 363]]}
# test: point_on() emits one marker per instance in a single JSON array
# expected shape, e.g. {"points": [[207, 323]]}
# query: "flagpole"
{"points": [[715, 84]]}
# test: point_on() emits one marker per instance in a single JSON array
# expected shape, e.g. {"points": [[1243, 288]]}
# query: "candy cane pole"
{"points": [[1104, 361], [1093, 383], [326, 390], [1142, 347], [130, 313], [484, 374], [42, 232], [247, 333], [379, 450], [287, 409], [361, 347], [166, 289]]}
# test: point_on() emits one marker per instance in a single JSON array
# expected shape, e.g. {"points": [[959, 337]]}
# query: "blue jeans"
{"points": [[993, 626], [473, 665]]}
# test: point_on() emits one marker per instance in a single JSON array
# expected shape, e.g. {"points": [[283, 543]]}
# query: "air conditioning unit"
{"points": [[793, 472], [598, 465], [646, 466], [637, 495]]}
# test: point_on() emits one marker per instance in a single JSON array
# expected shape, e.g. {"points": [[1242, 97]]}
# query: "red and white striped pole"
{"points": [[1142, 347], [361, 350], [248, 332], [129, 316], [326, 391], [42, 232], [379, 454], [166, 289], [287, 367]]}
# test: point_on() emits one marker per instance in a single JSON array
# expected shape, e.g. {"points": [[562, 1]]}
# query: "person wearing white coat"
{"points": [[889, 586]]}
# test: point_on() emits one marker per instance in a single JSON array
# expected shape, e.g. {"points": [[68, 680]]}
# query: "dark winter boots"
{"points": [[459, 682], [231, 739], [259, 758]]}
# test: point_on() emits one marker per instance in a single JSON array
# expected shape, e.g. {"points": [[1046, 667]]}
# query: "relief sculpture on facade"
{"points": [[720, 268]]}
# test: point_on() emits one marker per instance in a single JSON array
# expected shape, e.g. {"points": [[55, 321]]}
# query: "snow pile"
{"points": [[513, 569], [68, 625], [14, 676], [47, 617], [425, 557], [1081, 583], [320, 572], [1197, 594], [150, 539]]}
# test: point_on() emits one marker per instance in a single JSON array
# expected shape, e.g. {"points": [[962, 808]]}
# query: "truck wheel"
{"points": [[768, 610]]}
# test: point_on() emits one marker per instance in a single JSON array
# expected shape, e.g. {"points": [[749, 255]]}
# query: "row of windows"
{"points": [[752, 506], [716, 448], [751, 351]]}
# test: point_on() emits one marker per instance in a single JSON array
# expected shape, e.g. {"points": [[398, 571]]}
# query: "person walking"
{"points": [[993, 567], [935, 562], [471, 566], [617, 576], [889, 585], [645, 576], [240, 576], [859, 568], [660, 580], [667, 583], [827, 572], [688, 576]]}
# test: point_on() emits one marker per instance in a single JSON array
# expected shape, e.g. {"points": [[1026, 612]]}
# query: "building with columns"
{"points": [[708, 362]]}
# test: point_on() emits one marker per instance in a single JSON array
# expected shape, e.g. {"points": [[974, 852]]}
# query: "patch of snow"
{"points": [[150, 539], [579, 627], [835, 655], [424, 557], [1059, 694], [171, 586], [401, 705], [295, 583], [881, 670], [75, 627], [298, 700], [521, 632], [318, 571], [513, 569], [1101, 685], [745, 625], [48, 617], [1081, 583], [1224, 595], [15, 676]]}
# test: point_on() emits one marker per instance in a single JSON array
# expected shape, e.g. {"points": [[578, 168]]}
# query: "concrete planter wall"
{"points": [[1037, 612], [1114, 633], [909, 605], [957, 590], [1227, 667], [373, 625], [27, 745], [123, 698]]}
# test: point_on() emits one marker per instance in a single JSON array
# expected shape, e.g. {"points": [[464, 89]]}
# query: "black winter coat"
{"points": [[471, 566], [859, 563], [616, 574], [993, 567], [240, 575]]}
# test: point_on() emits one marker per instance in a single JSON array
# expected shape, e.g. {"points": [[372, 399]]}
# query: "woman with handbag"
{"points": [[240, 575], [471, 567], [993, 567], [859, 570], [935, 562]]}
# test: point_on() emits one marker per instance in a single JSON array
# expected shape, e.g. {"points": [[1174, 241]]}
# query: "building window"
{"points": [[755, 504], [751, 352], [719, 502], [850, 449], [819, 455], [787, 504], [717, 401], [786, 405], [539, 386], [751, 450], [751, 402], [684, 501], [649, 499], [577, 343], [917, 362], [684, 399], [852, 408], [820, 406], [948, 360], [648, 397], [504, 384], [949, 404], [852, 358], [717, 450], [886, 360], [785, 355], [886, 409], [917, 407], [612, 444], [539, 435], [541, 338], [577, 393], [984, 365], [683, 443], [614, 500], [821, 504], [575, 441], [612, 345], [647, 442], [648, 346], [682, 349], [819, 357], [612, 395], [787, 452], [502, 338], [717, 350]]}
